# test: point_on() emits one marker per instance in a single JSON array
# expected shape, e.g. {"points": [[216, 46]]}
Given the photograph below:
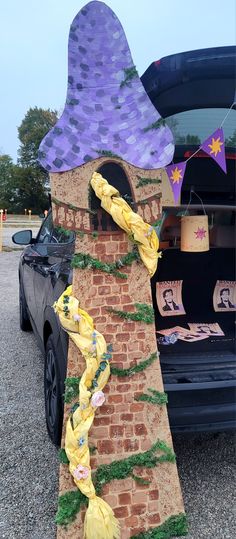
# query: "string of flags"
{"points": [[214, 146]]}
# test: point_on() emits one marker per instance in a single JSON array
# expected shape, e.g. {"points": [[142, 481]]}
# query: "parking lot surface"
{"points": [[29, 476]]}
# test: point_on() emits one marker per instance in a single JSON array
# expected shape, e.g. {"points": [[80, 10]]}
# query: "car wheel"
{"points": [[52, 393], [25, 324]]}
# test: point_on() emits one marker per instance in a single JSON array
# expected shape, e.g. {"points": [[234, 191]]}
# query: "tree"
{"points": [[193, 139], [28, 191], [36, 123], [231, 141], [30, 179], [6, 180]]}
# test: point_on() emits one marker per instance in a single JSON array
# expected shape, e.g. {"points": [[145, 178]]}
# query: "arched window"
{"points": [[115, 175]]}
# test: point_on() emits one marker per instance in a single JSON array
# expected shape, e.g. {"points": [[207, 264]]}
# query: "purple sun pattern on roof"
{"points": [[107, 110]]}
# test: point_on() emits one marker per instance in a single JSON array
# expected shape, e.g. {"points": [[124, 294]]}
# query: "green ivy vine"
{"points": [[71, 206], [145, 313], [146, 181], [135, 368], [156, 397], [130, 74], [107, 153], [174, 526], [155, 125], [63, 459], [83, 261], [69, 504], [71, 388]]}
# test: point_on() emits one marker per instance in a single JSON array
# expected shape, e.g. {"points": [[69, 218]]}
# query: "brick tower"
{"points": [[128, 423]]}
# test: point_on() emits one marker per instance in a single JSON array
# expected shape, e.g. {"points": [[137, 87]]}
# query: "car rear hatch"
{"points": [[191, 80]]}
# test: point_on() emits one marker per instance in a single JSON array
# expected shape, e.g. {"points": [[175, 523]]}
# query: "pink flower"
{"points": [[98, 399], [81, 472]]}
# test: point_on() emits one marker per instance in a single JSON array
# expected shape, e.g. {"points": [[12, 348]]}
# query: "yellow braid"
{"points": [[129, 221], [100, 522]]}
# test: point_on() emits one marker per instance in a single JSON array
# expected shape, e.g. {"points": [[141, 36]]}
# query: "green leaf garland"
{"points": [[145, 313], [155, 125], [135, 368], [71, 206], [69, 504], [71, 389], [174, 526], [107, 153], [83, 261], [63, 459], [146, 181], [157, 397], [130, 73], [140, 480], [120, 469]]}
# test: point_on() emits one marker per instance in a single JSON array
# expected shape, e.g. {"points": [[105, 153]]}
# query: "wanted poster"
{"points": [[203, 328], [224, 297], [183, 334], [169, 298], [189, 336]]}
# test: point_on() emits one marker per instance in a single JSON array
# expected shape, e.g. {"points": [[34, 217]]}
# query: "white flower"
{"points": [[77, 317]]}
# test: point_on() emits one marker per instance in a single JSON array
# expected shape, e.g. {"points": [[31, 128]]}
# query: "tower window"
{"points": [[116, 176]]}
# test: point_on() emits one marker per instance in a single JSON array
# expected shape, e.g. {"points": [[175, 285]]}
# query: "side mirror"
{"points": [[24, 237]]}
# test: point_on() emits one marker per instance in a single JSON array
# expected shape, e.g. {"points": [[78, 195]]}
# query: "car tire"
{"points": [[25, 324], [52, 393]]}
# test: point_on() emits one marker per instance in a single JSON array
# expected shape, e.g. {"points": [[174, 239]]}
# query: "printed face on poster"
{"points": [[224, 297], [206, 329], [169, 298]]}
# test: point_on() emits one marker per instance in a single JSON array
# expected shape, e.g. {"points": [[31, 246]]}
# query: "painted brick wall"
{"points": [[123, 426]]}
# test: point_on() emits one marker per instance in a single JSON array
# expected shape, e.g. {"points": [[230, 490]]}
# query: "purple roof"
{"points": [[107, 110]]}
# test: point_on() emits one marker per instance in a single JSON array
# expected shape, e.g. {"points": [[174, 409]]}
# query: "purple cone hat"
{"points": [[107, 110]]}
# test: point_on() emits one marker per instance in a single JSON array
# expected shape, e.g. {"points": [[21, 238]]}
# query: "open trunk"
{"points": [[199, 376]]}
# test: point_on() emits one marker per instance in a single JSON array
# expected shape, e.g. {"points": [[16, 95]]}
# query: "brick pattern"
{"points": [[72, 186], [123, 426]]}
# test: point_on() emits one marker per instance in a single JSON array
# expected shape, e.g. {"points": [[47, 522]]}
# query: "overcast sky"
{"points": [[34, 36]]}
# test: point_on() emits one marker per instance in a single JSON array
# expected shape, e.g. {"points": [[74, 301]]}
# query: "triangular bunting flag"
{"points": [[214, 146], [176, 175]]}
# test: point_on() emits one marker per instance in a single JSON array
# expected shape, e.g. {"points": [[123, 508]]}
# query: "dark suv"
{"points": [[198, 377]]}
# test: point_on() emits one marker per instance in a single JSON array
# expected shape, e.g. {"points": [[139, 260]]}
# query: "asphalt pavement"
{"points": [[29, 476], [29, 464]]}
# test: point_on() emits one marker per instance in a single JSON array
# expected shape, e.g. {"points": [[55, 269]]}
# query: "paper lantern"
{"points": [[194, 233]]}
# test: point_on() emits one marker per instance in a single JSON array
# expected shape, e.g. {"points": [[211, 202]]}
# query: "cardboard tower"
{"points": [[110, 126]]}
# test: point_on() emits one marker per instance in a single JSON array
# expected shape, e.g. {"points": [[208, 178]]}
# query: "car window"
{"points": [[54, 234], [46, 230], [62, 235], [194, 126]]}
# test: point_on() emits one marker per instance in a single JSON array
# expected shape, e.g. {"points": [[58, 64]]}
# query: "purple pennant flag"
{"points": [[176, 175], [214, 146]]}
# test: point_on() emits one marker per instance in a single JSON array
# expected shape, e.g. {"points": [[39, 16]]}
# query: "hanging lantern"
{"points": [[194, 230], [194, 233]]}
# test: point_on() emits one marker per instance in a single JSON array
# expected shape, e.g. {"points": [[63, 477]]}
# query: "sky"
{"points": [[34, 38]]}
